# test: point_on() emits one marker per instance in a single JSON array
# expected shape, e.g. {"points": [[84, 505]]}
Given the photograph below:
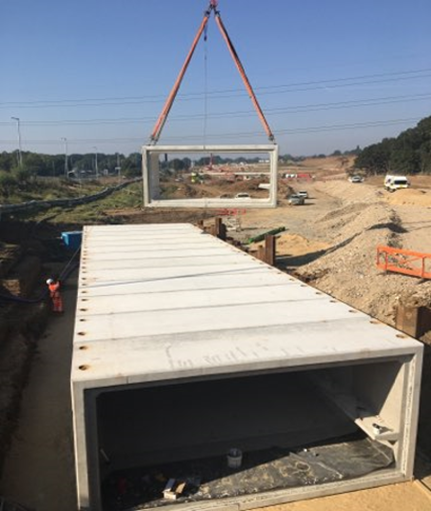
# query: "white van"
{"points": [[393, 183]]}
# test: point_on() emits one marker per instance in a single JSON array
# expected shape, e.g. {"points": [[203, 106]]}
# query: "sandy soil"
{"points": [[400, 497], [331, 242], [39, 468]]}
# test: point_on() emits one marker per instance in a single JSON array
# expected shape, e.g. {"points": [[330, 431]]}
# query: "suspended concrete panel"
{"points": [[151, 176], [186, 348]]}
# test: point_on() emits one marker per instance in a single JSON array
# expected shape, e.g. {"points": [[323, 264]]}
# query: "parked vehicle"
{"points": [[303, 193], [393, 183], [356, 179], [296, 200], [242, 195], [264, 186]]}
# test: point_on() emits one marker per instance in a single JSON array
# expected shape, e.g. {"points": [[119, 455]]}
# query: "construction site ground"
{"points": [[331, 243]]}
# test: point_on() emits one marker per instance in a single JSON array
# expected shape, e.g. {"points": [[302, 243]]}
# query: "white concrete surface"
{"points": [[169, 302], [151, 176]]}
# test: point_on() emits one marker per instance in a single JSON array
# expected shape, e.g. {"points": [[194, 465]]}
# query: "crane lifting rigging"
{"points": [[212, 8]]}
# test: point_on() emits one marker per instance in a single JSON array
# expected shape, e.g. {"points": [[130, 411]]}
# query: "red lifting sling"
{"points": [[157, 131]]}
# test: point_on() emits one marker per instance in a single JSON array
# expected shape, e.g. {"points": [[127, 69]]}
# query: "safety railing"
{"points": [[407, 262]]}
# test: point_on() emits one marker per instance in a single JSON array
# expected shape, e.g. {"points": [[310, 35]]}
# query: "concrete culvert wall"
{"points": [[186, 348]]}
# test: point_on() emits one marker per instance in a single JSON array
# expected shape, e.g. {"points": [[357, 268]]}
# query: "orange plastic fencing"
{"points": [[231, 212], [416, 264]]}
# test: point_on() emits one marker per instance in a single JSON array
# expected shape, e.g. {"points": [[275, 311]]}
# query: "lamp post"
{"points": [[96, 167], [118, 167], [17, 119], [66, 167]]}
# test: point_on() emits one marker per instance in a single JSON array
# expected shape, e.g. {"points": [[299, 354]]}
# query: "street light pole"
{"points": [[118, 167], [17, 119], [97, 169], [66, 167]]}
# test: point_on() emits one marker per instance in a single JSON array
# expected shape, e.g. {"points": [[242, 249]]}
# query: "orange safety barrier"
{"points": [[404, 261], [231, 212]]}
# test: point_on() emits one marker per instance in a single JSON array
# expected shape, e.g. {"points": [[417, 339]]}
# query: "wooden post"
{"points": [[219, 229], [414, 321], [266, 252], [270, 249], [223, 232]]}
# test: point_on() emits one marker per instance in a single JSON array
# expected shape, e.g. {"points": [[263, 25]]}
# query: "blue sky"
{"points": [[329, 74]]}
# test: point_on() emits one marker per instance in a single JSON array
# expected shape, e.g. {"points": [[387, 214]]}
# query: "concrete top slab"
{"points": [[255, 148], [160, 302]]}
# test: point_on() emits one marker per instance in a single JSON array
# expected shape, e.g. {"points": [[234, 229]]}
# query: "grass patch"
{"points": [[36, 188], [95, 212]]}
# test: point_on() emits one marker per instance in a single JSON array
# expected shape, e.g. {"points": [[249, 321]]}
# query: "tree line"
{"points": [[409, 153], [54, 165]]}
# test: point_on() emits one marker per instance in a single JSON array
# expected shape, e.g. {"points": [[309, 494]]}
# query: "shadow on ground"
{"points": [[289, 261]]}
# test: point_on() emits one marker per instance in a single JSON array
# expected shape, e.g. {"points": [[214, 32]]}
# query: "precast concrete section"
{"points": [[151, 176], [185, 346]]}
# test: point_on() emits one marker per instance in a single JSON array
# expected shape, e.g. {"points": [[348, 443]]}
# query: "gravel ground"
{"points": [[332, 241]]}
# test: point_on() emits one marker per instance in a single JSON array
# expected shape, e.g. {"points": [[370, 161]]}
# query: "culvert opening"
{"points": [[293, 429]]}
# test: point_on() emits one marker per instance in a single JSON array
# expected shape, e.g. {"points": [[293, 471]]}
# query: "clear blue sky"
{"points": [[330, 74]]}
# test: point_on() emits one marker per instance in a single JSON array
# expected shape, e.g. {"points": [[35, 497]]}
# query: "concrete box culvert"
{"points": [[190, 349]]}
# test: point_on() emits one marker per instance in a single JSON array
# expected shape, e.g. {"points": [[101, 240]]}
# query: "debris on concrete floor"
{"points": [[264, 470]]}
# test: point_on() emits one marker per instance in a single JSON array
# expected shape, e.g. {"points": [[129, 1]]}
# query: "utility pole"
{"points": [[96, 167], [66, 167], [17, 119], [118, 167]]}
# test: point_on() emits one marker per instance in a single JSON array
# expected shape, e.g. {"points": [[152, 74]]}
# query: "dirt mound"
{"points": [[350, 192], [347, 210], [421, 297], [295, 244], [347, 269], [291, 247], [346, 223], [410, 196], [188, 191], [285, 190]]}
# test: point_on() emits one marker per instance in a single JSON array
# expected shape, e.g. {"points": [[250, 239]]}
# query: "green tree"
{"points": [[408, 153], [7, 183], [132, 165], [22, 176], [7, 161], [375, 159]]}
